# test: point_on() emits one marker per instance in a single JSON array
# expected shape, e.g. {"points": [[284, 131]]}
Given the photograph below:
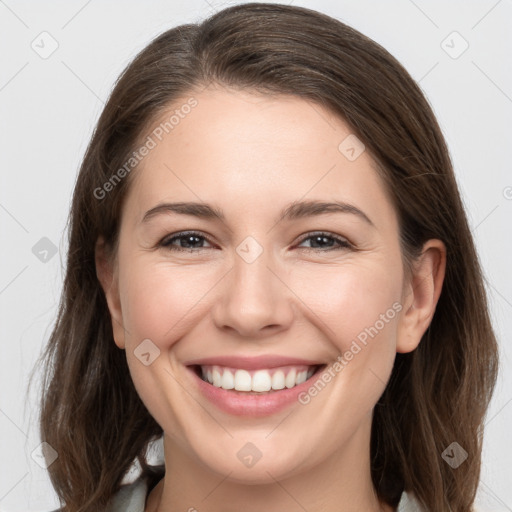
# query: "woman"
{"points": [[270, 266]]}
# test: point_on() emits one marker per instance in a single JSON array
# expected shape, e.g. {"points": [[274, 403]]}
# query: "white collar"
{"points": [[408, 504]]}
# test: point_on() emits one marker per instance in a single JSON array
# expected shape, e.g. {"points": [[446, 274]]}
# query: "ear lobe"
{"points": [[106, 271], [422, 295]]}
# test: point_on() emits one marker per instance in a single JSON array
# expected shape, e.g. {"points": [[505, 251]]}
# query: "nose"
{"points": [[255, 301]]}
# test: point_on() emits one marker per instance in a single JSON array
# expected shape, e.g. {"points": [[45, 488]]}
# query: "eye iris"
{"points": [[194, 240], [324, 241]]}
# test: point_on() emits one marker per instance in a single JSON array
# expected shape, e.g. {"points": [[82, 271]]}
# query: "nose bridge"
{"points": [[254, 298]]}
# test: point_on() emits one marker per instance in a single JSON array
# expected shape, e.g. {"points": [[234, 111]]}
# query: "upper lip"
{"points": [[252, 362]]}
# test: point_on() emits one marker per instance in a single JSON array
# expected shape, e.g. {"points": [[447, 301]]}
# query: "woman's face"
{"points": [[270, 286]]}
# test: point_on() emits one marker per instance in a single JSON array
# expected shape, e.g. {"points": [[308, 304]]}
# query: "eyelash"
{"points": [[166, 242]]}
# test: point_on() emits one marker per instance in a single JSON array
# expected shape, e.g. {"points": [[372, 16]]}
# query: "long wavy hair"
{"points": [[91, 413]]}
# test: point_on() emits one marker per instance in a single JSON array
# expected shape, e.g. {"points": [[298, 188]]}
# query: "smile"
{"points": [[252, 387], [256, 381]]}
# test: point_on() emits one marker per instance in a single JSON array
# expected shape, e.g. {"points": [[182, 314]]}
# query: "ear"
{"points": [[106, 271], [421, 294]]}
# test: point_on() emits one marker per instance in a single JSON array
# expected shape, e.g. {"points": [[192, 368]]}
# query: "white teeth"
{"points": [[278, 380], [228, 381], [290, 378], [301, 377], [259, 381], [217, 379], [243, 381]]}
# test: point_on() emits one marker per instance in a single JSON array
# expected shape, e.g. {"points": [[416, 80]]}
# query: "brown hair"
{"points": [[91, 413]]}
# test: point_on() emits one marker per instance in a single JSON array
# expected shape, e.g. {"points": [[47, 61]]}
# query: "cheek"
{"points": [[350, 300], [160, 300], [357, 308]]}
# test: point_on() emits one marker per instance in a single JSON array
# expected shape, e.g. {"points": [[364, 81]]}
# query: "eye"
{"points": [[188, 241], [323, 242], [191, 241]]}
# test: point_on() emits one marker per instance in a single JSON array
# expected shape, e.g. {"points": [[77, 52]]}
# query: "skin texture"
{"points": [[251, 155]]}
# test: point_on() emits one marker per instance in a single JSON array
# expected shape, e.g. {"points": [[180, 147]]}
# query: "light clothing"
{"points": [[132, 498]]}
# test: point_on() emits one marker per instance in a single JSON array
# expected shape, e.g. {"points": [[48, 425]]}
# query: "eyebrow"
{"points": [[293, 211]]}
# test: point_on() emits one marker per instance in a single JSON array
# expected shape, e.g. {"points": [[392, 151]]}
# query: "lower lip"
{"points": [[239, 403]]}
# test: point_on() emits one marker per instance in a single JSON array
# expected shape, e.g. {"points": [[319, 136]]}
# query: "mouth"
{"points": [[253, 386], [256, 382]]}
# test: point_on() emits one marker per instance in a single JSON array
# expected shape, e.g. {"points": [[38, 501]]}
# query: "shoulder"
{"points": [[130, 497]]}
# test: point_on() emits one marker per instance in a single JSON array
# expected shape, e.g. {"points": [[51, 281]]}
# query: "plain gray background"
{"points": [[48, 108]]}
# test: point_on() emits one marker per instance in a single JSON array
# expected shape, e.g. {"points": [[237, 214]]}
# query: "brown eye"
{"points": [[187, 241]]}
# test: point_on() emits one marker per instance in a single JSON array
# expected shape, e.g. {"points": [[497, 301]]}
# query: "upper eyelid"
{"points": [[180, 234], [326, 233]]}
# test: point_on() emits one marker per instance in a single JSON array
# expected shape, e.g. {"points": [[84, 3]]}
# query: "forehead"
{"points": [[254, 151]]}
